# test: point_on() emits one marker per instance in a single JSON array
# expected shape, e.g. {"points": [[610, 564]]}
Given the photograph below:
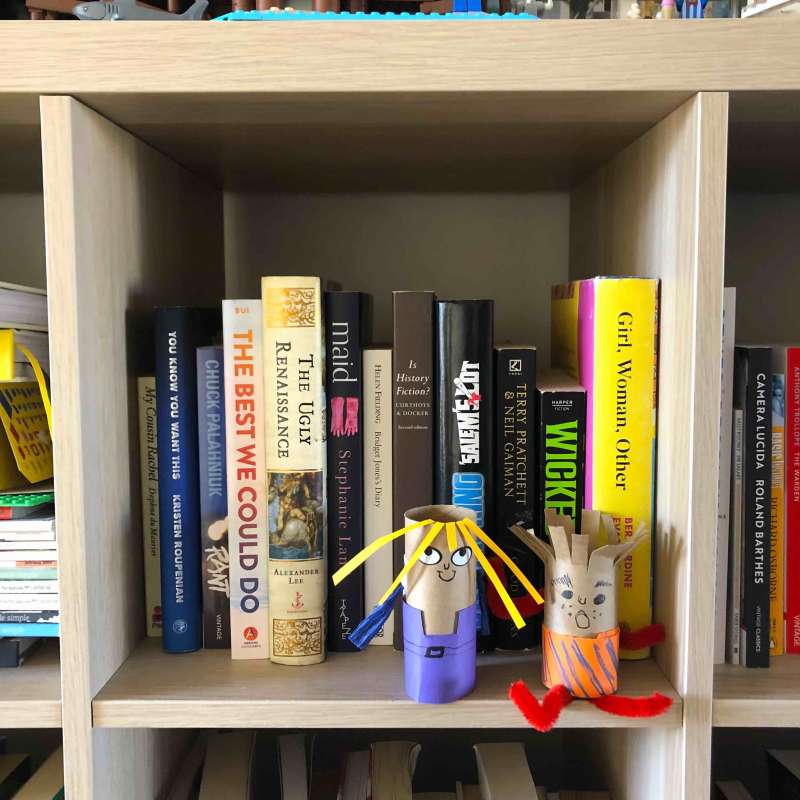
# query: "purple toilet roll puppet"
{"points": [[438, 585], [580, 633]]}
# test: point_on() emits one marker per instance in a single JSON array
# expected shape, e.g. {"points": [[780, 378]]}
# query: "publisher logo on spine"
{"points": [[515, 366], [250, 634], [180, 626]]}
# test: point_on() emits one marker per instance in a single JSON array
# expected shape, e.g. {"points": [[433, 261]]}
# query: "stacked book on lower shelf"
{"points": [[21, 781]]}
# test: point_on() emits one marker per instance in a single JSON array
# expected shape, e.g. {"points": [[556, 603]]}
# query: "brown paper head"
{"points": [[580, 574], [441, 582]]}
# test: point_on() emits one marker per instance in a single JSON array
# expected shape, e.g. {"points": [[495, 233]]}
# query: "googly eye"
{"points": [[430, 556], [599, 599], [462, 556], [567, 594]]}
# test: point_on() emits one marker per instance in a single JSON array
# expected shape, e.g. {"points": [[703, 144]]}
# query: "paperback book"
{"points": [[247, 534], [777, 503], [294, 351], [792, 492]]}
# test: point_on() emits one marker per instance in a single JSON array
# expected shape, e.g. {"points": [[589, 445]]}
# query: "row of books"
{"points": [[783, 775], [758, 554], [239, 464], [18, 780], [241, 765]]}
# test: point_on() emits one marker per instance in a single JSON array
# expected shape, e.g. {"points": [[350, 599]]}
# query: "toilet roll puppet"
{"points": [[580, 633], [439, 589]]}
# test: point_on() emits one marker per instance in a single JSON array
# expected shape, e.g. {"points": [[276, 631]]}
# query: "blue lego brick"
{"points": [[345, 16]]}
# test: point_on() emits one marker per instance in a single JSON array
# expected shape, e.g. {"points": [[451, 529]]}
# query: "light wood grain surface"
{"points": [[30, 695], [360, 690], [758, 698], [125, 229], [434, 55]]}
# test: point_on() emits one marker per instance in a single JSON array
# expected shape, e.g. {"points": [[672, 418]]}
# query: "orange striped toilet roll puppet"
{"points": [[580, 632]]}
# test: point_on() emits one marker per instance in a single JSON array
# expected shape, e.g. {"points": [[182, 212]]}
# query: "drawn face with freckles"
{"points": [[441, 582], [580, 604]]}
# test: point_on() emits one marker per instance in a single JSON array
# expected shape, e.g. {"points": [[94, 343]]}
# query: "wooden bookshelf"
{"points": [[30, 695], [205, 689], [182, 161], [758, 698]]}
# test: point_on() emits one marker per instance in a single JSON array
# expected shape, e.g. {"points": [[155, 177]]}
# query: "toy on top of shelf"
{"points": [[581, 633], [692, 9], [439, 588], [133, 10]]}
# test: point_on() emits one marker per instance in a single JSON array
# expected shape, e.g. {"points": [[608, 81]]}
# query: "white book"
{"points": [[16, 556], [28, 525], [503, 771], [735, 550], [724, 481], [27, 545], [148, 469], [28, 536], [248, 541], [354, 782], [378, 479], [293, 767], [29, 602], [22, 306], [28, 587]]}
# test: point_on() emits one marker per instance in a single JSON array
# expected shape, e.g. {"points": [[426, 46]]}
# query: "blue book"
{"points": [[213, 498], [18, 629], [179, 332]]}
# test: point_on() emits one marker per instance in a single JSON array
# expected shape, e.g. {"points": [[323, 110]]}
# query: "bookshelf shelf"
{"points": [[30, 695], [758, 698], [153, 689]]}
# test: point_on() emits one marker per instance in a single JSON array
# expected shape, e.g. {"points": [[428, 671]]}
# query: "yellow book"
{"points": [[604, 332], [776, 539]]}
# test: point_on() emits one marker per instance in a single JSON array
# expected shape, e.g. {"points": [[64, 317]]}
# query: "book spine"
{"points": [[294, 370], [213, 498], [792, 492], [248, 526], [31, 572], [776, 539], [148, 466], [344, 390], [412, 416], [36, 616], [564, 308], [724, 479], [17, 601], [464, 448], [618, 321], [753, 383], [27, 559], [734, 606], [28, 586], [562, 448], [515, 490], [378, 479], [178, 334], [17, 629]]}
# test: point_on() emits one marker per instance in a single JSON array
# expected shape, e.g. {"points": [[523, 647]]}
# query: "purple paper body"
{"points": [[439, 669]]}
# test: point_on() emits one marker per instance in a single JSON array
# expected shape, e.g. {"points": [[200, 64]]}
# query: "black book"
{"points": [[752, 381], [344, 342], [783, 767], [515, 490], [412, 417], [14, 651], [562, 447], [464, 455]]}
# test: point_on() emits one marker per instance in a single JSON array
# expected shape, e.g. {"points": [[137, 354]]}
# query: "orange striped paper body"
{"points": [[587, 666]]}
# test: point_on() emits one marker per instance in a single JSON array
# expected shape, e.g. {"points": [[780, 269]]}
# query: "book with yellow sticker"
{"points": [[605, 333]]}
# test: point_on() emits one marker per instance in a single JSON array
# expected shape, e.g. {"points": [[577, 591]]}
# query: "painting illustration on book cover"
{"points": [[296, 508], [344, 416]]}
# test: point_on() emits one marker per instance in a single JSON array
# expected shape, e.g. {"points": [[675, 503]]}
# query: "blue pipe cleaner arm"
{"points": [[368, 628]]}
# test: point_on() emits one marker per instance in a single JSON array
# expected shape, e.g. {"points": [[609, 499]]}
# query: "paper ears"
{"points": [[583, 549]]}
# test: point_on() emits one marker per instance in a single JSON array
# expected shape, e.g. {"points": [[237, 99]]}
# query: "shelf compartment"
{"points": [[156, 690], [758, 698], [31, 694]]}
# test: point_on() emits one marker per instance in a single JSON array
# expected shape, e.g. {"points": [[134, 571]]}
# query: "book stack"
{"points": [[28, 572], [291, 442], [23, 323], [20, 781]]}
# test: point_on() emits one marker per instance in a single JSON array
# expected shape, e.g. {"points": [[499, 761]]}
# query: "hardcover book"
{"points": [[605, 334], [148, 465], [724, 482], [777, 504], [213, 498], [792, 492], [464, 448], [734, 620], [29, 629], [515, 490], [412, 416], [378, 478], [294, 372], [344, 340], [179, 332], [752, 395], [247, 534]]}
